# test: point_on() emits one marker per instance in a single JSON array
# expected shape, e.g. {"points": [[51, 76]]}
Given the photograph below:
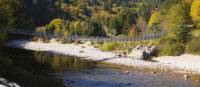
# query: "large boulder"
{"points": [[88, 42], [138, 54], [152, 51], [142, 52]]}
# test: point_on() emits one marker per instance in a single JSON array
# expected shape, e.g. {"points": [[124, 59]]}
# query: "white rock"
{"points": [[6, 83], [2, 85], [186, 76]]}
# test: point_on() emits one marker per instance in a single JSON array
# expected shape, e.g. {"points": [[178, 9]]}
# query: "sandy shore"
{"points": [[185, 63]]}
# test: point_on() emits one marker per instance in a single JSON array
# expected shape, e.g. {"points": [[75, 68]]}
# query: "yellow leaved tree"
{"points": [[195, 11], [55, 24], [155, 18]]}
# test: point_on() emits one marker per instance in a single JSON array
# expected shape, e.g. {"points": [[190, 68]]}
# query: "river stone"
{"points": [[142, 52], [186, 76], [53, 40], [6, 83], [153, 72], [88, 42], [2, 85], [152, 50], [138, 54]]}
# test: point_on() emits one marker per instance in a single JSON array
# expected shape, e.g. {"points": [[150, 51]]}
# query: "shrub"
{"points": [[154, 42], [171, 47], [99, 42], [182, 34], [193, 46], [195, 33], [110, 46]]}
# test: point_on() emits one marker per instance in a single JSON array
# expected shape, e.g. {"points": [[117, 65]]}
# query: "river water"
{"points": [[77, 72]]}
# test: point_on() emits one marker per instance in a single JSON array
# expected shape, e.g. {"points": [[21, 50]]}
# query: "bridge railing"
{"points": [[141, 37], [45, 35]]}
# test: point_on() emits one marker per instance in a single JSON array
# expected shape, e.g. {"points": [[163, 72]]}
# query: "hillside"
{"points": [[179, 18]]}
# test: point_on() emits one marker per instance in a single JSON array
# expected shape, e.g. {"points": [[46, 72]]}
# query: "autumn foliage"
{"points": [[195, 11], [132, 31]]}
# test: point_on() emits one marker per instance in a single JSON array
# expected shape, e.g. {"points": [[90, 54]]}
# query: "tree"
{"points": [[128, 22], [77, 28], [155, 28], [195, 12], [132, 31], [155, 18], [7, 10], [55, 26], [182, 33], [144, 10], [177, 22], [97, 27], [169, 3], [141, 25], [87, 30], [175, 18]]}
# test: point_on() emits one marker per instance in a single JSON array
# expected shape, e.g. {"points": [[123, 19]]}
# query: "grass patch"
{"points": [[110, 46]]}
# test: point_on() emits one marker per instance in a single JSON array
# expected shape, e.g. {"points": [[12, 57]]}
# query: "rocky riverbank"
{"points": [[185, 63]]}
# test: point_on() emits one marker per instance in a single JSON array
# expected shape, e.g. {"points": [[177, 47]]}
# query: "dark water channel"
{"points": [[45, 69]]}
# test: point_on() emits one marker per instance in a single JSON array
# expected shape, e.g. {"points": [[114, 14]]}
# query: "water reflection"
{"points": [[62, 62], [22, 67]]}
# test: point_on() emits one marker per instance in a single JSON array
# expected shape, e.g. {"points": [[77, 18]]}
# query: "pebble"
{"points": [[186, 76], [153, 72], [126, 72]]}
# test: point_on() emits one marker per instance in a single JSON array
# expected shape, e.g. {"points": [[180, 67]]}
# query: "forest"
{"points": [[179, 18]]}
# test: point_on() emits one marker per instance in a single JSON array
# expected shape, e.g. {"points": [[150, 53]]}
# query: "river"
{"points": [[46, 69]]}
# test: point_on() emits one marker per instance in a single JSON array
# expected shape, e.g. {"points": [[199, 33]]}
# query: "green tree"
{"points": [[155, 28], [182, 34], [175, 18], [97, 27], [8, 9], [177, 22]]}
